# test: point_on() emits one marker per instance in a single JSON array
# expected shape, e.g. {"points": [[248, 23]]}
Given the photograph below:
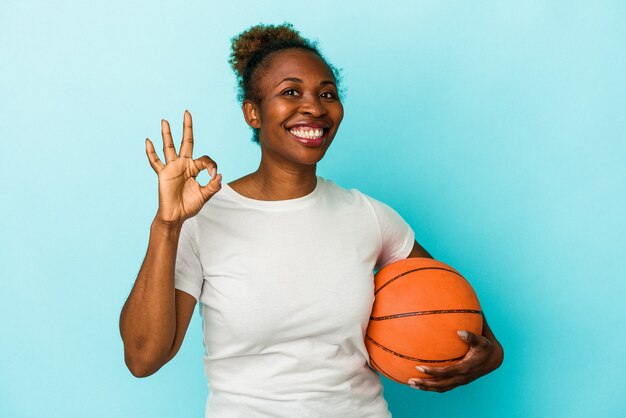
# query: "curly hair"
{"points": [[250, 50]]}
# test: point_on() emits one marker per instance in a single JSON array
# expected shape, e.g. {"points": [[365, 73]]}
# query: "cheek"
{"points": [[338, 114], [276, 113]]}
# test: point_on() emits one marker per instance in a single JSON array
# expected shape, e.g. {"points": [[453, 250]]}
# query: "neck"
{"points": [[281, 182]]}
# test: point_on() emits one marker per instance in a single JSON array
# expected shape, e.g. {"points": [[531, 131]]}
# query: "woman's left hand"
{"points": [[484, 356]]}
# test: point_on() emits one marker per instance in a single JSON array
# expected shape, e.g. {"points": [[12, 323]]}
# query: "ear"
{"points": [[251, 113]]}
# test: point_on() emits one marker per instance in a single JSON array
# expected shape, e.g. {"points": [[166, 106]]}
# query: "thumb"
{"points": [[468, 337]]}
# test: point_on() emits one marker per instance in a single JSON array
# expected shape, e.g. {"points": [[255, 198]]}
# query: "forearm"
{"points": [[148, 318]]}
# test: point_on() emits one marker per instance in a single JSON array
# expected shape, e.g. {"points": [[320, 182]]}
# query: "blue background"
{"points": [[496, 129]]}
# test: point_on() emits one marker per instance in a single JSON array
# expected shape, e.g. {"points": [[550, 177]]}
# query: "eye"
{"points": [[290, 92], [329, 95]]}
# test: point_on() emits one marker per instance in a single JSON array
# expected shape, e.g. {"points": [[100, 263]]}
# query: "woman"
{"points": [[281, 259]]}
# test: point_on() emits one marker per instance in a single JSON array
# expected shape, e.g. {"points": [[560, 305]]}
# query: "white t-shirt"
{"points": [[286, 290]]}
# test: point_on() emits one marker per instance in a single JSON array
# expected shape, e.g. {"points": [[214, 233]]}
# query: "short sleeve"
{"points": [[397, 236], [188, 275]]}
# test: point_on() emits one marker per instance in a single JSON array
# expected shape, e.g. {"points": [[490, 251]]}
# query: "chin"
{"points": [[308, 159], [312, 155]]}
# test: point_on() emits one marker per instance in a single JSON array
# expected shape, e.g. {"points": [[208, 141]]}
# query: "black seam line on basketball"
{"points": [[414, 270], [387, 375], [408, 357], [435, 312]]}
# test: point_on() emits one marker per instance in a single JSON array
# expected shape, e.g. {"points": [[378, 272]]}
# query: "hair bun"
{"points": [[248, 42]]}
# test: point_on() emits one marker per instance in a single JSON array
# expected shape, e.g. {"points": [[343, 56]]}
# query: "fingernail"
{"points": [[420, 369], [463, 334], [186, 111], [414, 382]]}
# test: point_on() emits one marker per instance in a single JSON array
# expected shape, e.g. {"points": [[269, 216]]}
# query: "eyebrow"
{"points": [[298, 80]]}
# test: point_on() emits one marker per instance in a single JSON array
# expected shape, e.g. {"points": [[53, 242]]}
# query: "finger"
{"points": [[474, 358], [440, 372], [155, 162], [186, 146], [438, 385], [212, 187], [207, 163], [168, 145]]}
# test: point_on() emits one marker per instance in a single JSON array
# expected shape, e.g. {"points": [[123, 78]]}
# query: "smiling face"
{"points": [[299, 112]]}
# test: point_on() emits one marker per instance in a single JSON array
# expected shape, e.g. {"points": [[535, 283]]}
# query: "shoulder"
{"points": [[332, 188], [355, 197], [383, 212], [343, 195]]}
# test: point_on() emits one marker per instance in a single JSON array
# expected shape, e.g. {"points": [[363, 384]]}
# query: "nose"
{"points": [[312, 105]]}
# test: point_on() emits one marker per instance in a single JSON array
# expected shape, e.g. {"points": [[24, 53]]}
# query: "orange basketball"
{"points": [[420, 304]]}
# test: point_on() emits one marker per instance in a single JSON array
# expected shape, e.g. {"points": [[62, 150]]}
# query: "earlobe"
{"points": [[251, 114]]}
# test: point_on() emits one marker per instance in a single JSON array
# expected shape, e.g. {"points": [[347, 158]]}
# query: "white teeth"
{"points": [[307, 133]]}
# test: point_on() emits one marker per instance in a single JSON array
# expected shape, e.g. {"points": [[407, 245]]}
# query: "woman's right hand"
{"points": [[180, 195]]}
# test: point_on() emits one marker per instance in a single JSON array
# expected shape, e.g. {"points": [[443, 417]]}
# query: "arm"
{"points": [[484, 356], [419, 251], [155, 318]]}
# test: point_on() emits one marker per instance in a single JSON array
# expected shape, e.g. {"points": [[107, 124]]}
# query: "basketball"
{"points": [[419, 305]]}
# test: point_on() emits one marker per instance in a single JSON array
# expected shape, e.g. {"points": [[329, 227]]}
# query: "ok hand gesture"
{"points": [[180, 195]]}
